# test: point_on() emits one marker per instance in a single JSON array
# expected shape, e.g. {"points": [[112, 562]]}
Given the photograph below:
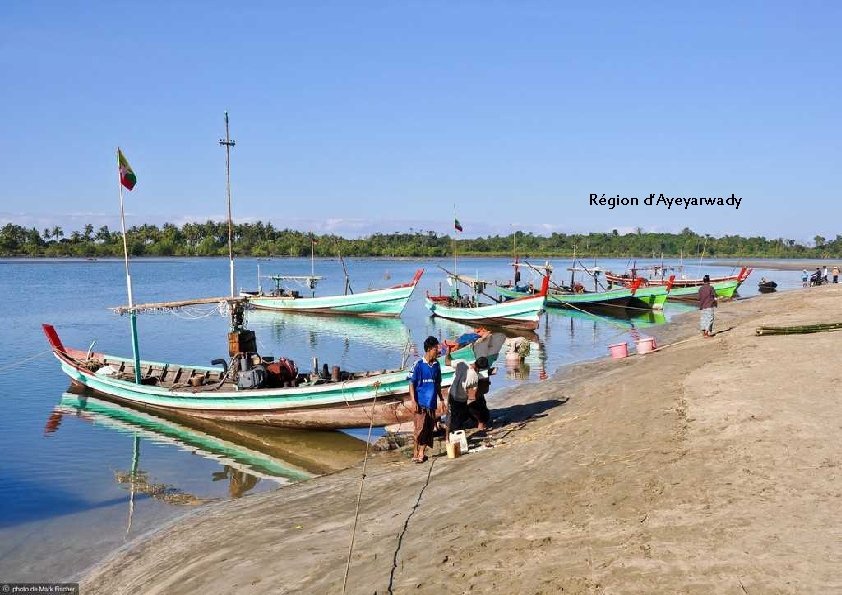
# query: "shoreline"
{"points": [[706, 466], [779, 264]]}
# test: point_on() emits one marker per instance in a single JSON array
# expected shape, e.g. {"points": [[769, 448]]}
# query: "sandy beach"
{"points": [[709, 466], [781, 264]]}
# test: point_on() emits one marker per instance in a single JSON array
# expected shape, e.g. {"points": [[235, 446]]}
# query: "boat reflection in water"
{"points": [[247, 454], [626, 319], [352, 341]]}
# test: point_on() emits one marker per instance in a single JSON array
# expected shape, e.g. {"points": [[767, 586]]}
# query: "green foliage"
{"points": [[262, 239]]}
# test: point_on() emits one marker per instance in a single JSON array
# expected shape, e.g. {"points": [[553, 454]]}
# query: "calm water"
{"points": [[64, 498]]}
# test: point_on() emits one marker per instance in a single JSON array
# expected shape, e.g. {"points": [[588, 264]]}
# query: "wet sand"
{"points": [[780, 264], [709, 466]]}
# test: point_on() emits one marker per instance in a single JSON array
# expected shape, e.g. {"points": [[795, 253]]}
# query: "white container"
{"points": [[459, 437]]}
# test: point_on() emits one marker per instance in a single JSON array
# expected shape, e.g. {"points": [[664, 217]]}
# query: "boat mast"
{"points": [[573, 269], [228, 142], [516, 277], [312, 263], [133, 317], [453, 241]]}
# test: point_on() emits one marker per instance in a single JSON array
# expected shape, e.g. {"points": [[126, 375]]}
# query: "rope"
{"points": [[406, 526], [360, 494], [24, 360]]}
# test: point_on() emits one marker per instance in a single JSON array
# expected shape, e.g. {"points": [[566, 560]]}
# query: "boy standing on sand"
{"points": [[707, 302], [424, 390]]}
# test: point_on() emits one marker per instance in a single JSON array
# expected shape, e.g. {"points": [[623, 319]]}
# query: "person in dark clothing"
{"points": [[466, 398], [707, 303], [477, 407]]}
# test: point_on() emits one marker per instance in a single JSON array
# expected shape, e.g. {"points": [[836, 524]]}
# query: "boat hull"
{"points": [[379, 302], [627, 280], [649, 297], [522, 313], [722, 289], [378, 398]]}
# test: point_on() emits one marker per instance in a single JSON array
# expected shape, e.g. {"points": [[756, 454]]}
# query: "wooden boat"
{"points": [[378, 302], [522, 312], [766, 286], [343, 401], [637, 297], [722, 289], [627, 279]]}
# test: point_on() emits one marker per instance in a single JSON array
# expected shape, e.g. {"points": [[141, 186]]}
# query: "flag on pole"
{"points": [[457, 225], [127, 177]]}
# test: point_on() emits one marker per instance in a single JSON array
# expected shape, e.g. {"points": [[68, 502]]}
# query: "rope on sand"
{"points": [[360, 493]]}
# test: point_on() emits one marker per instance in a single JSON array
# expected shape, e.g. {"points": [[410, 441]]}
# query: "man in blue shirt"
{"points": [[424, 390]]}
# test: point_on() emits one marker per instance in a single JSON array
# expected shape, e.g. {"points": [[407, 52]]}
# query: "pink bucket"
{"points": [[618, 350], [646, 345]]}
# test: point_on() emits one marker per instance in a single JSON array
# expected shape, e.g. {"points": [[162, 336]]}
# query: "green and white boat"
{"points": [[642, 297], [521, 313], [723, 289], [378, 302], [344, 400]]}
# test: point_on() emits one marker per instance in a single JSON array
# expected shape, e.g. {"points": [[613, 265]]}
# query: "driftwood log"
{"points": [[798, 330]]}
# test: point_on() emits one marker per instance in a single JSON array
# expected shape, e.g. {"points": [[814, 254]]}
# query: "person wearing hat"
{"points": [[707, 302], [466, 398]]}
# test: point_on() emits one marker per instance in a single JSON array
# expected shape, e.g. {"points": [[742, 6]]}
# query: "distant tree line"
{"points": [[263, 239]]}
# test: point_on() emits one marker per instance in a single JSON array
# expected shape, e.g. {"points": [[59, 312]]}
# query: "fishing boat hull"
{"points": [[627, 280], [378, 302], [521, 313], [378, 398], [651, 297], [381, 398], [722, 289], [648, 297]]}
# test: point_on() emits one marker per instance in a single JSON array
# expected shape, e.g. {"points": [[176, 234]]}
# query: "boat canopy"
{"points": [[309, 281]]}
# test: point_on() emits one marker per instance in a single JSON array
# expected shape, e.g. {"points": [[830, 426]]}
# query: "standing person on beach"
{"points": [[424, 391], [805, 277], [707, 302], [835, 272], [824, 274], [466, 398]]}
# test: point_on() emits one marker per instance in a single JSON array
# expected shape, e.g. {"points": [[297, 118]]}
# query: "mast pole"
{"points": [[227, 142], [133, 315], [312, 264], [453, 241]]}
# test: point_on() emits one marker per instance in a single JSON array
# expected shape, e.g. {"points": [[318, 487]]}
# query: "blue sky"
{"points": [[360, 116]]}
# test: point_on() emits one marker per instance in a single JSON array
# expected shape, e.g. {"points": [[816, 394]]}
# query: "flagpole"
{"points": [[453, 241], [133, 314], [228, 143], [312, 261]]}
